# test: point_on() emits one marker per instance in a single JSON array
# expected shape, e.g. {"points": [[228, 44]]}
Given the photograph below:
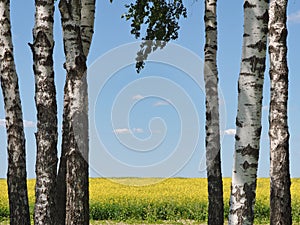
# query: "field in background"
{"points": [[153, 199]]}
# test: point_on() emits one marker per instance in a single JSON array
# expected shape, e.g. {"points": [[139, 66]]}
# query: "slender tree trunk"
{"points": [[16, 175], [77, 23], [248, 121], [87, 24], [280, 199], [213, 146], [45, 99]]}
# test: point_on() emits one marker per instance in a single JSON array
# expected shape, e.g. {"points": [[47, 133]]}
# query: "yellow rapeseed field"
{"points": [[159, 199]]}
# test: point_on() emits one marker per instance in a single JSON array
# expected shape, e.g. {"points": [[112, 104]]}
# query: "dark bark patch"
{"points": [[210, 28], [257, 63], [246, 165], [248, 150], [215, 47], [250, 199], [40, 3], [8, 56], [238, 123], [246, 74], [264, 17], [248, 5], [69, 27], [279, 15], [208, 116], [258, 132], [260, 45], [42, 40]]}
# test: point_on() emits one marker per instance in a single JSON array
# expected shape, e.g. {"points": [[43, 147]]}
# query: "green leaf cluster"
{"points": [[161, 21]]}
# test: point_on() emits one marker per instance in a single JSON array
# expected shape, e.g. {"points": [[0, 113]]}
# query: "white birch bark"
{"points": [[213, 146], [77, 23], [280, 196], [248, 121], [45, 98], [16, 174]]}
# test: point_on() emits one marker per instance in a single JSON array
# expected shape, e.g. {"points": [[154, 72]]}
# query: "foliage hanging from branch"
{"points": [[161, 19]]}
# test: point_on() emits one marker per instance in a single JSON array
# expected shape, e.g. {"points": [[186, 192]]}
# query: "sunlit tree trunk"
{"points": [[77, 24], [280, 199], [16, 174], [45, 99], [213, 146], [248, 121]]}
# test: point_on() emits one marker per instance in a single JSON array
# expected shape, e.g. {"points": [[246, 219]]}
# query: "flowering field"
{"points": [[153, 199]]}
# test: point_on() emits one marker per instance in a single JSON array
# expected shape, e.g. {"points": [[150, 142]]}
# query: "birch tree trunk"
{"points": [[16, 175], [280, 199], [45, 99], [248, 121], [213, 147], [77, 22]]}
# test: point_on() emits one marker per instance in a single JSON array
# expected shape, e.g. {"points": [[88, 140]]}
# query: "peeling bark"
{"points": [[248, 121], [213, 146], [16, 174], [45, 99], [72, 182], [280, 196]]}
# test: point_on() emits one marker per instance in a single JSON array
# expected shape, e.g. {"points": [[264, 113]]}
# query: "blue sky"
{"points": [[137, 121]]}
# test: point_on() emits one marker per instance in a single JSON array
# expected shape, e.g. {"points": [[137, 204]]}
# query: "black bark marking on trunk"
{"points": [[238, 123], [250, 200], [248, 150], [257, 63], [260, 45], [248, 5], [247, 165], [264, 17]]}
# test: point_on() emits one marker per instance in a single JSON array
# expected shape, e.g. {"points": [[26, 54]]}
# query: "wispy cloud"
{"points": [[137, 97], [138, 130], [294, 17], [161, 103], [121, 131], [27, 123], [2, 122], [230, 132], [128, 131]]}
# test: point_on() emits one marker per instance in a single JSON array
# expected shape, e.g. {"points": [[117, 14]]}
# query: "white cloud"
{"points": [[121, 131], [138, 130], [2, 122], [137, 97], [230, 132], [128, 131], [161, 103], [27, 123], [294, 17]]}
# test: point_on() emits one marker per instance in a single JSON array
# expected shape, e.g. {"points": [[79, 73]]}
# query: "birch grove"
{"points": [[62, 191]]}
